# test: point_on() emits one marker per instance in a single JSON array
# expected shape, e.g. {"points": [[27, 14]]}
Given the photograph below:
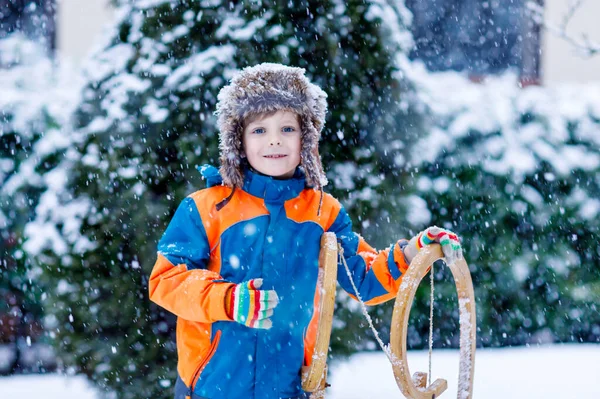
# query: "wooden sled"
{"points": [[314, 376], [415, 387]]}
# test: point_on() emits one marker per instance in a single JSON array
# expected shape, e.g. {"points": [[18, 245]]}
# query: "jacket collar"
{"points": [[272, 189], [260, 185]]}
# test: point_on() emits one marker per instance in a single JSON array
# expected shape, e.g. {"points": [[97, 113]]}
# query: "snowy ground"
{"points": [[562, 372]]}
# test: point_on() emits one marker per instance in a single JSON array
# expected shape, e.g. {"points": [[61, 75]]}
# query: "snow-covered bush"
{"points": [[515, 171]]}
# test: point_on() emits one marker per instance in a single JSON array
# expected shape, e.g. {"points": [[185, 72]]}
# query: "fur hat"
{"points": [[264, 88]]}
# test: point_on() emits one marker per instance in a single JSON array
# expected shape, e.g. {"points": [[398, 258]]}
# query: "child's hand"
{"points": [[250, 306], [448, 240]]}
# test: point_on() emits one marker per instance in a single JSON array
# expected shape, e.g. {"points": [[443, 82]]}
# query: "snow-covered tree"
{"points": [[146, 121], [35, 104]]}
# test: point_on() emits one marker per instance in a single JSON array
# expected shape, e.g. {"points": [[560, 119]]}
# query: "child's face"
{"points": [[272, 144]]}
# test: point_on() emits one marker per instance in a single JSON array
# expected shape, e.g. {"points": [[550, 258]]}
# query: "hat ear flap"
{"points": [[232, 151], [309, 156]]}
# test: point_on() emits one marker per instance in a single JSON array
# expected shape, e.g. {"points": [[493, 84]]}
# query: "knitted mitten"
{"points": [[448, 240], [250, 306]]}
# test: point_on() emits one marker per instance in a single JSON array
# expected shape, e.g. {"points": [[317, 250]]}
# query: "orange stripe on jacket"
{"points": [[304, 208], [193, 344], [214, 263], [310, 338]]}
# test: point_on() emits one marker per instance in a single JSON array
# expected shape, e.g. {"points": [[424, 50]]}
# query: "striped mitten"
{"points": [[448, 240], [250, 306]]}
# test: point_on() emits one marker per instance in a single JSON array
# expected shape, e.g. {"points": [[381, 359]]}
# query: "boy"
{"points": [[238, 262]]}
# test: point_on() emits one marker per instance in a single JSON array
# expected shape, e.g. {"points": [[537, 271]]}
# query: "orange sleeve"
{"points": [[388, 266], [190, 294], [180, 281]]}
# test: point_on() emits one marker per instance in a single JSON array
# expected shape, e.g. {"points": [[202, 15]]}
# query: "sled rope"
{"points": [[384, 347]]}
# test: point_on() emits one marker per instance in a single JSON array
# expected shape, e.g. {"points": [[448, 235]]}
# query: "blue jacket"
{"points": [[269, 229]]}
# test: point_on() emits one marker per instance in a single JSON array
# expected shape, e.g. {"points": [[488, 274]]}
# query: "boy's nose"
{"points": [[275, 142]]}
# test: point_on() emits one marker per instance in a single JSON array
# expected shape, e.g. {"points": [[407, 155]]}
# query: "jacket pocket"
{"points": [[204, 362]]}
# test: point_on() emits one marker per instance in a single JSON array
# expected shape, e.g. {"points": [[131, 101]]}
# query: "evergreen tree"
{"points": [[34, 106], [147, 121]]}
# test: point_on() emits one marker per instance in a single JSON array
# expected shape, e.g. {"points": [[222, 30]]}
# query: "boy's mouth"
{"points": [[275, 156]]}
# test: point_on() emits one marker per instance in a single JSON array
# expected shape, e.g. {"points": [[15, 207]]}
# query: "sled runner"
{"points": [[314, 375]]}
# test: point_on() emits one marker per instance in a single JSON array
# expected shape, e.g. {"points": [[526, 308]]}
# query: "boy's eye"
{"points": [[259, 130], [289, 129]]}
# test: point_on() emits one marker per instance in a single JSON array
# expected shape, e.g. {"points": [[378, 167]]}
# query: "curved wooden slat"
{"points": [[415, 387], [313, 376]]}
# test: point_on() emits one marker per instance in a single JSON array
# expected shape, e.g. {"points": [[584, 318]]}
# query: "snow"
{"points": [[42, 232], [493, 111], [418, 214], [48, 386], [112, 60], [234, 28], [343, 175], [36, 96], [187, 76], [152, 3], [557, 371], [560, 371], [395, 17]]}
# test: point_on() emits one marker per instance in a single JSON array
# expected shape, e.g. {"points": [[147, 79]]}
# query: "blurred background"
{"points": [[479, 116]]}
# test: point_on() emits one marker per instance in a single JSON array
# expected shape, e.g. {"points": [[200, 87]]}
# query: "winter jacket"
{"points": [[270, 229]]}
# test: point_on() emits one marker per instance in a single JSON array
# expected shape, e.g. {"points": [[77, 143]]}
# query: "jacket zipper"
{"points": [[203, 363]]}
